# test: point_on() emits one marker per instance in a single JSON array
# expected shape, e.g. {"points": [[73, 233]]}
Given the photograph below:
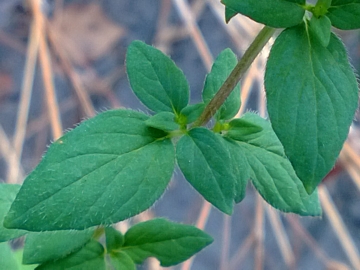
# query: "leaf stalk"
{"points": [[235, 76]]}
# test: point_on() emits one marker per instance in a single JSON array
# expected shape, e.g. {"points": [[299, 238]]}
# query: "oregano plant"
{"points": [[119, 163]]}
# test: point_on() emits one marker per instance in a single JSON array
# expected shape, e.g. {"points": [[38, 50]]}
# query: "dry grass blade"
{"points": [[310, 241], [349, 151], [166, 33], [224, 259], [12, 42], [241, 252], [354, 172], [8, 152], [80, 91], [334, 265], [339, 227], [195, 33], [58, 10], [38, 124], [23, 111], [259, 234], [241, 29], [246, 88], [351, 161], [307, 238], [162, 39], [52, 103], [281, 237], [46, 69]]}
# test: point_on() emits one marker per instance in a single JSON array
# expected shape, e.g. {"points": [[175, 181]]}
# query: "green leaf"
{"points": [[192, 112], [18, 254], [122, 261], [220, 71], [321, 29], [7, 196], [163, 121], [155, 79], [46, 246], [345, 14], [91, 256], [321, 8], [274, 13], [114, 238], [272, 173], [205, 163], [229, 14], [312, 96], [7, 259], [300, 2], [240, 127], [169, 242], [98, 173], [341, 2], [240, 168]]}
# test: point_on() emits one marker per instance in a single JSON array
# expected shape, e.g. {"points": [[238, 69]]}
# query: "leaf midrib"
{"points": [[160, 82]]}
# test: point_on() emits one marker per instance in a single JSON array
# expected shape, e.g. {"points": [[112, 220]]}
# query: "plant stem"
{"points": [[241, 67]]}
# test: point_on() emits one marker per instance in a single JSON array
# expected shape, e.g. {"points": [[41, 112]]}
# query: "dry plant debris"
{"points": [[85, 32]]}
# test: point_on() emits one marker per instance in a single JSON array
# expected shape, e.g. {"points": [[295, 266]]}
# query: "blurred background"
{"points": [[63, 61]]}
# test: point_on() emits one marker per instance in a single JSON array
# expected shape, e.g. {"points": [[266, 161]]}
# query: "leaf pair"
{"points": [[169, 242], [219, 167], [163, 88], [201, 155]]}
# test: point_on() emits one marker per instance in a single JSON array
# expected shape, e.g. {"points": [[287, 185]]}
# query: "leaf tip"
{"points": [[9, 222], [136, 43], [228, 209], [309, 188]]}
